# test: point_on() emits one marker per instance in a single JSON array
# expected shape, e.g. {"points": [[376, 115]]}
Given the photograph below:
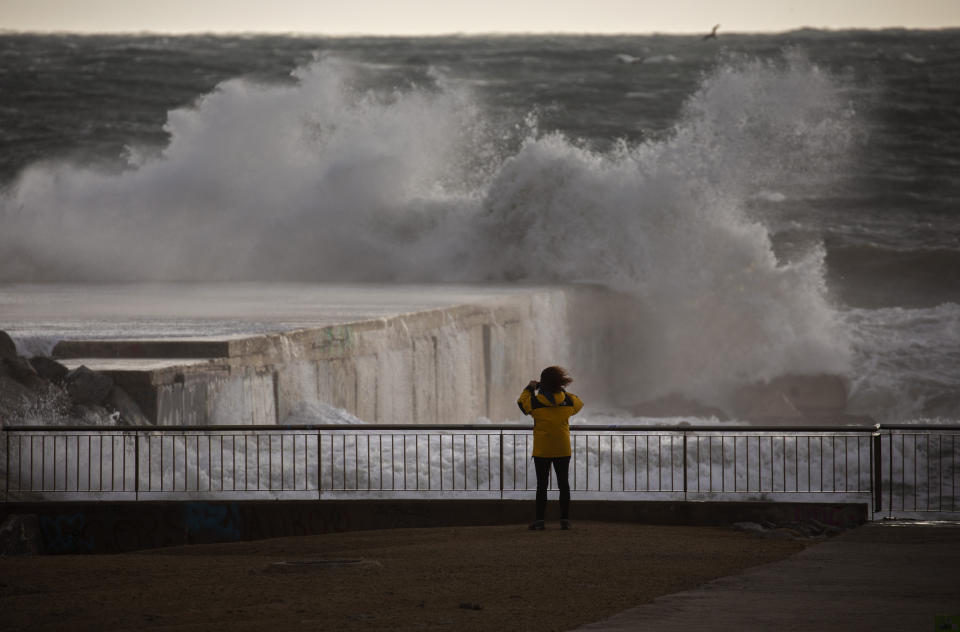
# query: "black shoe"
{"points": [[537, 525], [565, 524]]}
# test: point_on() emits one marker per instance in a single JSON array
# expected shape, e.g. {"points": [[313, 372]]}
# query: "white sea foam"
{"points": [[905, 363], [661, 59], [322, 180], [37, 345], [316, 412], [771, 196]]}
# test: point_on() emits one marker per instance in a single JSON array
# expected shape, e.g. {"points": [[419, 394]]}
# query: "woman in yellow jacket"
{"points": [[551, 410]]}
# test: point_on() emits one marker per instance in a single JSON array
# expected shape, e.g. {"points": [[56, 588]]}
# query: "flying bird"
{"points": [[712, 34]]}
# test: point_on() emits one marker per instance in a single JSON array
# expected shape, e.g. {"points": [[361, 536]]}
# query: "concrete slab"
{"points": [[47, 313], [263, 353], [891, 575], [133, 364]]}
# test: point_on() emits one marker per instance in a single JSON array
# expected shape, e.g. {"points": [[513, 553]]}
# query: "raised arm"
{"points": [[577, 403], [528, 393]]}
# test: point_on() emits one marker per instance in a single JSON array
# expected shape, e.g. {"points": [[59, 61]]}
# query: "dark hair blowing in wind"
{"points": [[554, 379]]}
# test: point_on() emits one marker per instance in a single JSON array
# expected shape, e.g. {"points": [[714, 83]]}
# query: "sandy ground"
{"points": [[465, 578]]}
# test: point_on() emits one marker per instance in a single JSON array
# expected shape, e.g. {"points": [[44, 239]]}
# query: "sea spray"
{"points": [[312, 181], [325, 180], [667, 222]]}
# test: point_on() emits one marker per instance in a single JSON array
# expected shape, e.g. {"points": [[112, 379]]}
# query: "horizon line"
{"points": [[292, 33]]}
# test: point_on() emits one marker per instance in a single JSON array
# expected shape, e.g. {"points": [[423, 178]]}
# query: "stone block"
{"points": [[87, 387], [8, 348], [49, 369], [22, 371]]}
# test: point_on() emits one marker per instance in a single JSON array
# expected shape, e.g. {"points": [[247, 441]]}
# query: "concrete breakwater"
{"points": [[449, 364]]}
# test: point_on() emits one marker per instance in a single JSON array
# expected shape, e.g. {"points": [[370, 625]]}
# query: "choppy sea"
{"points": [[781, 203]]}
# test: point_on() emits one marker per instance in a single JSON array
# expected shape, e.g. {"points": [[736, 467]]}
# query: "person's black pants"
{"points": [[561, 466]]}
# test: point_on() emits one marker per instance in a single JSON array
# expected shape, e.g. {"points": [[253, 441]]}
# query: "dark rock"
{"points": [[8, 349], [781, 534], [14, 398], [88, 387], [806, 530], [22, 371], [809, 531], [46, 405], [20, 535], [92, 415], [49, 369], [130, 413], [825, 528], [15, 368]]}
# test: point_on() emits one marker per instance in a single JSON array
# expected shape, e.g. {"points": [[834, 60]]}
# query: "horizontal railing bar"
{"points": [[918, 426], [490, 427], [734, 429], [267, 427]]}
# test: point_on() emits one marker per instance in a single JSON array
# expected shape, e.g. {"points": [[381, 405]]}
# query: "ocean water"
{"points": [[780, 203]]}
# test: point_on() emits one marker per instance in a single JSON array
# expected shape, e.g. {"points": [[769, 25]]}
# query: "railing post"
{"points": [[501, 465], [320, 468], [684, 465], [6, 469], [876, 456], [136, 465], [902, 475]]}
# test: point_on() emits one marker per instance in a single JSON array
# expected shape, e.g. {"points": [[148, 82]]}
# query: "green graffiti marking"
{"points": [[335, 339]]}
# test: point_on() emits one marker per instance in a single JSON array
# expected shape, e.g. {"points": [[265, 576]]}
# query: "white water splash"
{"points": [[324, 181]]}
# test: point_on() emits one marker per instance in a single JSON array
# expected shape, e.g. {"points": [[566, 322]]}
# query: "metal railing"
{"points": [[917, 469], [903, 468]]}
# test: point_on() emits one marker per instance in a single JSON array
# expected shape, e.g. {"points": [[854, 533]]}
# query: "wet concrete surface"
{"points": [[887, 575]]}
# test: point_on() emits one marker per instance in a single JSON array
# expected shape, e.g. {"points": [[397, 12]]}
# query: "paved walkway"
{"points": [[895, 576]]}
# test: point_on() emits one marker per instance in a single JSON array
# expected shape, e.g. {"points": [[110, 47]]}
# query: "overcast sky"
{"points": [[469, 16]]}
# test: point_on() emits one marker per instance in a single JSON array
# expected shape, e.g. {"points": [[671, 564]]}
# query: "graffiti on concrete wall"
{"points": [[122, 527], [66, 533], [116, 528]]}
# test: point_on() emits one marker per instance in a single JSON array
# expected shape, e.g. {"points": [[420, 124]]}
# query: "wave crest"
{"points": [[325, 180]]}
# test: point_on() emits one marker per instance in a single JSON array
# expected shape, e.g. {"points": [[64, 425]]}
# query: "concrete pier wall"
{"points": [[445, 365]]}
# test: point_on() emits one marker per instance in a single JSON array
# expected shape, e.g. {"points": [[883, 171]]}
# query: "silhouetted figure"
{"points": [[712, 34], [551, 410]]}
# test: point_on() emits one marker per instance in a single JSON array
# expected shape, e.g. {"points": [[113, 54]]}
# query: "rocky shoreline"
{"points": [[41, 391]]}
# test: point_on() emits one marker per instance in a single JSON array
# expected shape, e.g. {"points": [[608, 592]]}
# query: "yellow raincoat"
{"points": [[551, 414]]}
